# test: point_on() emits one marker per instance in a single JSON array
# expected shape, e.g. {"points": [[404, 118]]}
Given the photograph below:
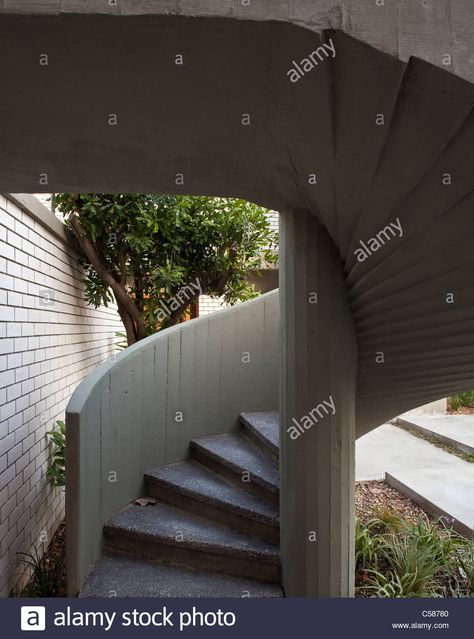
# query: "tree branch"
{"points": [[119, 290]]}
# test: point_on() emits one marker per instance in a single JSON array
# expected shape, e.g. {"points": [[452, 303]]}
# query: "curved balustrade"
{"points": [[141, 410]]}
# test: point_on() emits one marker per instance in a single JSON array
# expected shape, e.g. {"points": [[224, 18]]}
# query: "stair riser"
{"points": [[250, 526], [235, 477], [262, 444], [253, 568]]}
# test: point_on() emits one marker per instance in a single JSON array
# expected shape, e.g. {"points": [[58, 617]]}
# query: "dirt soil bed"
{"points": [[372, 495], [464, 410]]}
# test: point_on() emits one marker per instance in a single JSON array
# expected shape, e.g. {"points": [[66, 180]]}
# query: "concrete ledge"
{"points": [[30, 205], [440, 437], [459, 526]]}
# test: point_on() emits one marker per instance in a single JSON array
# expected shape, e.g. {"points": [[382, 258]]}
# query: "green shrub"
{"points": [[57, 470], [386, 520], [401, 559], [455, 402], [465, 560], [367, 546], [45, 576]]}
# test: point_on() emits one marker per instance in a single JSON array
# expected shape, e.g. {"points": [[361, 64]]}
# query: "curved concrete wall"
{"points": [[141, 411]]}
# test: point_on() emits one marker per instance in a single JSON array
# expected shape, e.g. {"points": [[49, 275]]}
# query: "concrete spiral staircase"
{"points": [[388, 141], [214, 529], [411, 301]]}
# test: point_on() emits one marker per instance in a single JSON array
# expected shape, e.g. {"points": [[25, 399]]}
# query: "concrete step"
{"points": [[195, 488], [236, 458], [123, 575], [170, 534], [264, 430], [454, 430]]}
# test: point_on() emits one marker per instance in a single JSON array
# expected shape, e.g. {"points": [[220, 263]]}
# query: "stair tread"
{"points": [[162, 523], [195, 480], [238, 454], [129, 576], [265, 426]]}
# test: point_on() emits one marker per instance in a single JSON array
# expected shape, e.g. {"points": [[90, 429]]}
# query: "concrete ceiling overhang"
{"points": [[366, 142]]}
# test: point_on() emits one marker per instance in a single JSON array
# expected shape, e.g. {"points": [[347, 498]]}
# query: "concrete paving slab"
{"points": [[455, 430], [439, 481]]}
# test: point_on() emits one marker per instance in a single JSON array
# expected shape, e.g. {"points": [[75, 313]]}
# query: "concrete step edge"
{"points": [[443, 439], [426, 504]]}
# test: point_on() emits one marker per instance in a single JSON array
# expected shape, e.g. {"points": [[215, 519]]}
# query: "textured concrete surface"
{"points": [[318, 363], [171, 526], [243, 459], [388, 448], [201, 521], [439, 481], [265, 428], [455, 430], [439, 31], [126, 576], [196, 481]]}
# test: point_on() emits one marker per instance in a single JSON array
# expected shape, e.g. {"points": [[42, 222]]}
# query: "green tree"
{"points": [[156, 254]]}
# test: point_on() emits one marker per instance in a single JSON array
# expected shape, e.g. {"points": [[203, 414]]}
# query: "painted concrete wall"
{"points": [[317, 426], [141, 411], [50, 340], [438, 31]]}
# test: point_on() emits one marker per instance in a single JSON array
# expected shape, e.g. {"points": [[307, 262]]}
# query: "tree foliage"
{"points": [[157, 253]]}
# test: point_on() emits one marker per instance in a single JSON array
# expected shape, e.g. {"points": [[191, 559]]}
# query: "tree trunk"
{"points": [[119, 290], [176, 315], [128, 324], [129, 313]]}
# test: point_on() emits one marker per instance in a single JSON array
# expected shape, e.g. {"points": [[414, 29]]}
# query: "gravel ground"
{"points": [[464, 410], [378, 494]]}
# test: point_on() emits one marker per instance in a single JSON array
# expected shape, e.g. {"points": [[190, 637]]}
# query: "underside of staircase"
{"points": [[213, 530]]}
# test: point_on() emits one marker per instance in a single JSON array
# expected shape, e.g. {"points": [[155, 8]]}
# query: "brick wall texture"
{"points": [[50, 338]]}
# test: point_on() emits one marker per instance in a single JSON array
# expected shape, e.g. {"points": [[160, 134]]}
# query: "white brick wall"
{"points": [[273, 218], [49, 340], [209, 304]]}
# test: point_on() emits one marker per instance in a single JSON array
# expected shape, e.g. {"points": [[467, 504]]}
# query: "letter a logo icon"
{"points": [[33, 618]]}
